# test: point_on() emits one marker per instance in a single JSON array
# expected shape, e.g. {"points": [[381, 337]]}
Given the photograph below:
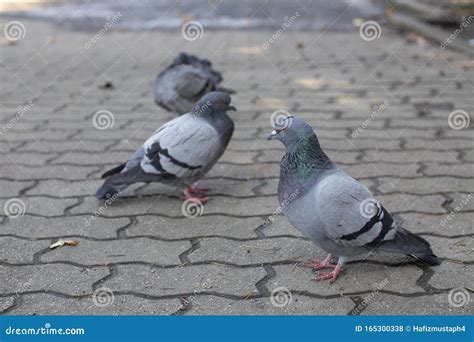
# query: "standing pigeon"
{"points": [[180, 152], [184, 82], [335, 211]]}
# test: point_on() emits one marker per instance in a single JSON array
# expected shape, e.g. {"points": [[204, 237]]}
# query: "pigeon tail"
{"points": [[410, 244], [430, 259], [109, 189], [118, 182], [113, 171]]}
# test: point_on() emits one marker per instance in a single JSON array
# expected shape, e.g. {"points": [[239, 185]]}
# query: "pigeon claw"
{"points": [[319, 265], [195, 197], [332, 276]]}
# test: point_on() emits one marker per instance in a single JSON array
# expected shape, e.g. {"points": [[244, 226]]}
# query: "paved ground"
{"points": [[227, 261]]}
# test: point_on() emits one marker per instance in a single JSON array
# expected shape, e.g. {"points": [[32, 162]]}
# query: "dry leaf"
{"points": [[61, 243]]}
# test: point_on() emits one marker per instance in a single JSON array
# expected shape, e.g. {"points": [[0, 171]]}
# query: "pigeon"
{"points": [[185, 81], [180, 152], [332, 209]]}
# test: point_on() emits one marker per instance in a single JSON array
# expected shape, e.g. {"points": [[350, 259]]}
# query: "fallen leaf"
{"points": [[61, 243]]}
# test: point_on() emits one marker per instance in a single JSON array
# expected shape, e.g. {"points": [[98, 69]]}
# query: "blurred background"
{"points": [[246, 14]]}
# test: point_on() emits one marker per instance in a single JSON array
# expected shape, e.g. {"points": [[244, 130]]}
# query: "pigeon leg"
{"points": [[319, 265], [196, 189], [332, 276], [195, 197]]}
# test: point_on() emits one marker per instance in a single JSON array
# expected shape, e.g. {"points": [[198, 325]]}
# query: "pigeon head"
{"points": [[290, 129], [214, 102]]}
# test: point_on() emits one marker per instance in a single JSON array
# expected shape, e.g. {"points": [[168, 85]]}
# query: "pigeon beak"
{"points": [[272, 135], [232, 108]]}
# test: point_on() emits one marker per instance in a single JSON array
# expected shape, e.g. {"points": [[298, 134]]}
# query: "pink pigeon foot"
{"points": [[195, 197], [319, 265], [332, 276]]}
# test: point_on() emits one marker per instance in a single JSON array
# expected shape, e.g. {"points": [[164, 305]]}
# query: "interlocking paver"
{"points": [[221, 279], [46, 304], [115, 251], [59, 278], [152, 257]]}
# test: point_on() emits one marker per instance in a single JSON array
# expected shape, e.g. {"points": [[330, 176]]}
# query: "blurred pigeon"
{"points": [[180, 152], [185, 81], [335, 211]]}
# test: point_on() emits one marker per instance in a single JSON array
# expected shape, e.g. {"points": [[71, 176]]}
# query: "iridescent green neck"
{"points": [[304, 158]]}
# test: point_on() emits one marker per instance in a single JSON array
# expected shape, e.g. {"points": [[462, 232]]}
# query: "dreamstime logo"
{"points": [[281, 297], [369, 207], [464, 24], [192, 30], [20, 111], [458, 297], [286, 25], [458, 119], [14, 30], [375, 114], [280, 119], [280, 208], [203, 286], [103, 296], [22, 288], [102, 208], [192, 208], [370, 30], [465, 199], [363, 304], [200, 110], [108, 24], [14, 208], [103, 119]]}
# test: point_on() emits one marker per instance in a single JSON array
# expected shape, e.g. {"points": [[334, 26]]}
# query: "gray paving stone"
{"points": [[90, 252], [19, 251], [251, 252], [459, 224], [7, 302], [446, 275], [59, 188], [406, 156], [186, 280], [243, 207], [47, 304], [424, 305], [27, 173], [170, 228], [425, 186], [461, 249], [357, 278], [62, 278], [13, 189], [457, 169], [45, 206], [298, 305], [42, 227]]}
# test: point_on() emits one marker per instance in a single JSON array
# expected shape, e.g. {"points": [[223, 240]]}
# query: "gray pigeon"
{"points": [[335, 211], [184, 82], [180, 152]]}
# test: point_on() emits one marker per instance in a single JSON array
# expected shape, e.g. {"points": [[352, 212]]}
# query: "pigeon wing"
{"points": [[184, 147], [349, 214]]}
